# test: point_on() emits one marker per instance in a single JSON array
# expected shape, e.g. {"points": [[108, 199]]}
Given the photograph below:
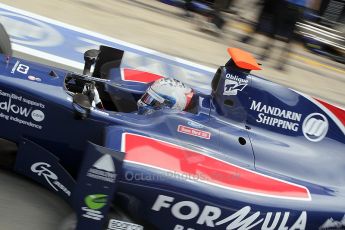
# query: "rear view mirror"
{"points": [[81, 105], [90, 57]]}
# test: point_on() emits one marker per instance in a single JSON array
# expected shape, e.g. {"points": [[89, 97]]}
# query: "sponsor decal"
{"points": [[37, 115], [233, 84], [19, 109], [33, 78], [103, 169], [21, 68], [206, 170], [195, 124], [42, 169], [213, 217], [315, 127], [331, 224], [276, 117], [193, 132], [94, 203], [122, 225]]}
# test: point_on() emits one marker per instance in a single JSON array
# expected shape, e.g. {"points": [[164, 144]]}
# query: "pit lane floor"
{"points": [[25, 205], [161, 27]]}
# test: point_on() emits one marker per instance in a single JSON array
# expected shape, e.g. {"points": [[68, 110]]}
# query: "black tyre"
{"points": [[8, 152]]}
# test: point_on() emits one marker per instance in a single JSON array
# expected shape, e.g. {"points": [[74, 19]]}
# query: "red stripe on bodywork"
{"points": [[177, 159], [338, 112], [139, 76]]}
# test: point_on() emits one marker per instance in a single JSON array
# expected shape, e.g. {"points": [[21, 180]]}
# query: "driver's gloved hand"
{"points": [[91, 91]]}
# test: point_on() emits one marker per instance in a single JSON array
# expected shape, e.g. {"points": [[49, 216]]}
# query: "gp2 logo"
{"points": [[231, 87]]}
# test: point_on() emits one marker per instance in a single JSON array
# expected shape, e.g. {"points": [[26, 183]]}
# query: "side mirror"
{"points": [[81, 105], [90, 57]]}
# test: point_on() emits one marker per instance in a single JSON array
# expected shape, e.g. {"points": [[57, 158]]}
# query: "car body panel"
{"points": [[219, 167]]}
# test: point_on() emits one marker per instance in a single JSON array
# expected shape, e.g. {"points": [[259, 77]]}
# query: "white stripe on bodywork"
{"points": [[114, 40], [47, 56]]}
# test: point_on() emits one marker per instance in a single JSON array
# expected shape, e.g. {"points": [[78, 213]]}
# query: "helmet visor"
{"points": [[151, 98]]}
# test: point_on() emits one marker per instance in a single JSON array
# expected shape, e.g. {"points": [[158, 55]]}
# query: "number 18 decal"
{"points": [[24, 69]]}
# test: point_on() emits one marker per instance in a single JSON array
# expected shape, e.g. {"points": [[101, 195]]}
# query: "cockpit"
{"points": [[107, 95], [102, 93], [110, 87], [113, 92]]}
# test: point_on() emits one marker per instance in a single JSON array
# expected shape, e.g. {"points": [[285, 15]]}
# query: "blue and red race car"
{"points": [[251, 155]]}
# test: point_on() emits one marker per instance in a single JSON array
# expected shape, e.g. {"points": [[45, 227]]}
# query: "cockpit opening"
{"points": [[96, 90], [104, 95]]}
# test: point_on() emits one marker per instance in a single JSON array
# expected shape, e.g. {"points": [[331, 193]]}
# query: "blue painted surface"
{"points": [[279, 151]]}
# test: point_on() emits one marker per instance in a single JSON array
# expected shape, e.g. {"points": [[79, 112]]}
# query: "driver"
{"points": [[165, 93]]}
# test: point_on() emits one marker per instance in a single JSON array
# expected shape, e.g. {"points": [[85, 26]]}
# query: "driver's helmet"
{"points": [[165, 93]]}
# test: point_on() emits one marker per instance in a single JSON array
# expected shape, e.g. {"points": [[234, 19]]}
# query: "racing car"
{"points": [[252, 154]]}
